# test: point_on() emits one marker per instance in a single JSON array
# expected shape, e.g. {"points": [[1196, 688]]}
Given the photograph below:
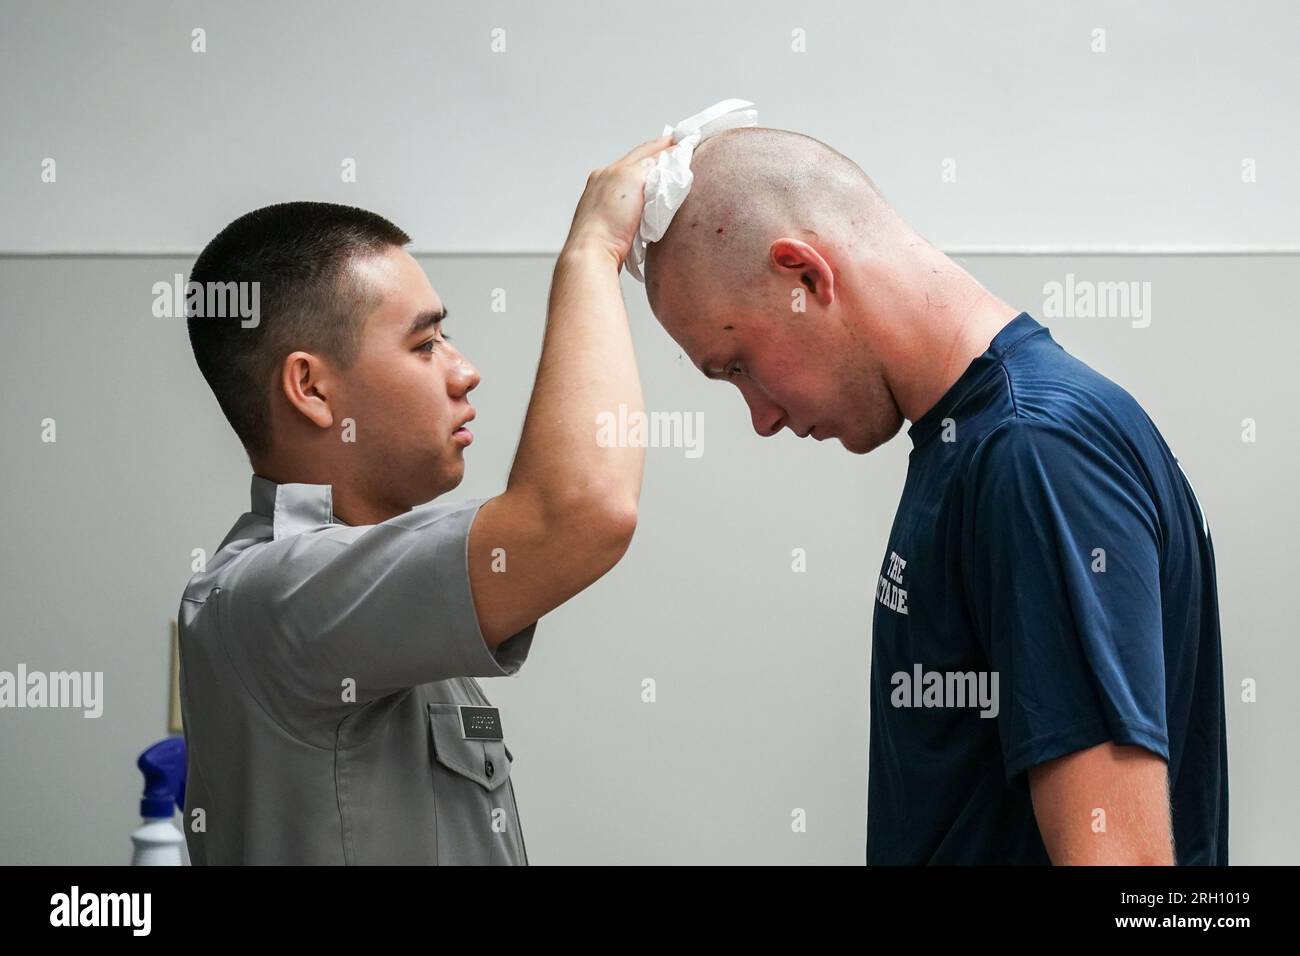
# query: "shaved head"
{"points": [[786, 274], [752, 185], [761, 277]]}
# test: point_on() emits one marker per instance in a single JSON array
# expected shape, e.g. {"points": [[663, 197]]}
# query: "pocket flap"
{"points": [[486, 762]]}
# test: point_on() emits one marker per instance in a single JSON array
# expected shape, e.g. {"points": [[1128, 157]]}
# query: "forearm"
{"points": [[587, 367]]}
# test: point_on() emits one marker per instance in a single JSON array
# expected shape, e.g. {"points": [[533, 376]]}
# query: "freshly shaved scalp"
{"points": [[753, 185]]}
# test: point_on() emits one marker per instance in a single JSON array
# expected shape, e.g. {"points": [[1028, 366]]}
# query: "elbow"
{"points": [[601, 516], [621, 522], [607, 525], [612, 524], [597, 525]]}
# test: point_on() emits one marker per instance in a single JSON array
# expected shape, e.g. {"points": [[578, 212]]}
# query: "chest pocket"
{"points": [[477, 819]]}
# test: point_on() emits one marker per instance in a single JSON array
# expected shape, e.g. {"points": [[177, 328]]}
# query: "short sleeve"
{"points": [[1062, 568], [388, 606]]}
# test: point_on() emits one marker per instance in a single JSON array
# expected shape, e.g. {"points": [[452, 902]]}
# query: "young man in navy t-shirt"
{"points": [[1046, 534], [1046, 672]]}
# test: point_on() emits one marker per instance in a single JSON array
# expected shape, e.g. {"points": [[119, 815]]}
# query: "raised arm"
{"points": [[570, 506]]}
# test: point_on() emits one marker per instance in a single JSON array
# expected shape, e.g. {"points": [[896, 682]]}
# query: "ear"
{"points": [[303, 381], [806, 266]]}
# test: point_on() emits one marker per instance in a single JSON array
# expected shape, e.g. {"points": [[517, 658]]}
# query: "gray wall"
{"points": [[1055, 145], [480, 156], [99, 527]]}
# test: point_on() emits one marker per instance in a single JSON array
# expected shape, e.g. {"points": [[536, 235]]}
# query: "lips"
{"points": [[465, 421], [461, 434]]}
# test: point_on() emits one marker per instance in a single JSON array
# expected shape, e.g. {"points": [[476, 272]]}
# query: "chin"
{"points": [[442, 476], [865, 442], [452, 477]]}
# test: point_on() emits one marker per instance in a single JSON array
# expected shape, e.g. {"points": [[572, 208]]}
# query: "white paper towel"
{"points": [[669, 182]]}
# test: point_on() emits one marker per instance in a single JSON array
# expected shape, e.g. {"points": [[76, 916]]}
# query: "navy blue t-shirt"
{"points": [[1046, 535]]}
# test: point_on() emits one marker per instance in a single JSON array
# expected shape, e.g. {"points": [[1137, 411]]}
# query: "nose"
{"points": [[464, 377], [766, 415]]}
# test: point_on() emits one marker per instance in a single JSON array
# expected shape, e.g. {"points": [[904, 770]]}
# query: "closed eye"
{"points": [[723, 374]]}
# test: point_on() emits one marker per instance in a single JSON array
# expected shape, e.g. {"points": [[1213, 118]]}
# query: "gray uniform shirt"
{"points": [[323, 667]]}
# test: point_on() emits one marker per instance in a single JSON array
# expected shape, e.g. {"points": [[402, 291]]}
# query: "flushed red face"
{"points": [[408, 389], [796, 361]]}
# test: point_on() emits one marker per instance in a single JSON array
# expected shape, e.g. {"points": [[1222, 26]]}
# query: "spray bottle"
{"points": [[157, 841]]}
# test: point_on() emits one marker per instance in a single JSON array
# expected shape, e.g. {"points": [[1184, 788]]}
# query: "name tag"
{"points": [[480, 723]]}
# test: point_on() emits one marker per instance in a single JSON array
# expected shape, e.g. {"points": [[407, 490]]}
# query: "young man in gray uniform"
{"points": [[329, 648]]}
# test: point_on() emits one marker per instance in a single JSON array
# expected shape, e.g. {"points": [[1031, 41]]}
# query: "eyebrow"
{"points": [[425, 319]]}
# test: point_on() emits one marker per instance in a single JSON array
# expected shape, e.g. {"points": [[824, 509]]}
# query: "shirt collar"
{"points": [[292, 508], [1010, 336]]}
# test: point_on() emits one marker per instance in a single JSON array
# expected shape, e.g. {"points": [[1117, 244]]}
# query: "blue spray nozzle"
{"points": [[163, 766]]}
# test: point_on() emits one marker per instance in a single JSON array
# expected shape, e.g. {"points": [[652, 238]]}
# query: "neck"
{"points": [[351, 500], [932, 321]]}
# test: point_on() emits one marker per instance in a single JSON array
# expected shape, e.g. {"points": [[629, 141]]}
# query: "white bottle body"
{"points": [[157, 843]]}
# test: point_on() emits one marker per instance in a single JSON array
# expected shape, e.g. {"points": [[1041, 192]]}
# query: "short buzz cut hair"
{"points": [[309, 298], [751, 184]]}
